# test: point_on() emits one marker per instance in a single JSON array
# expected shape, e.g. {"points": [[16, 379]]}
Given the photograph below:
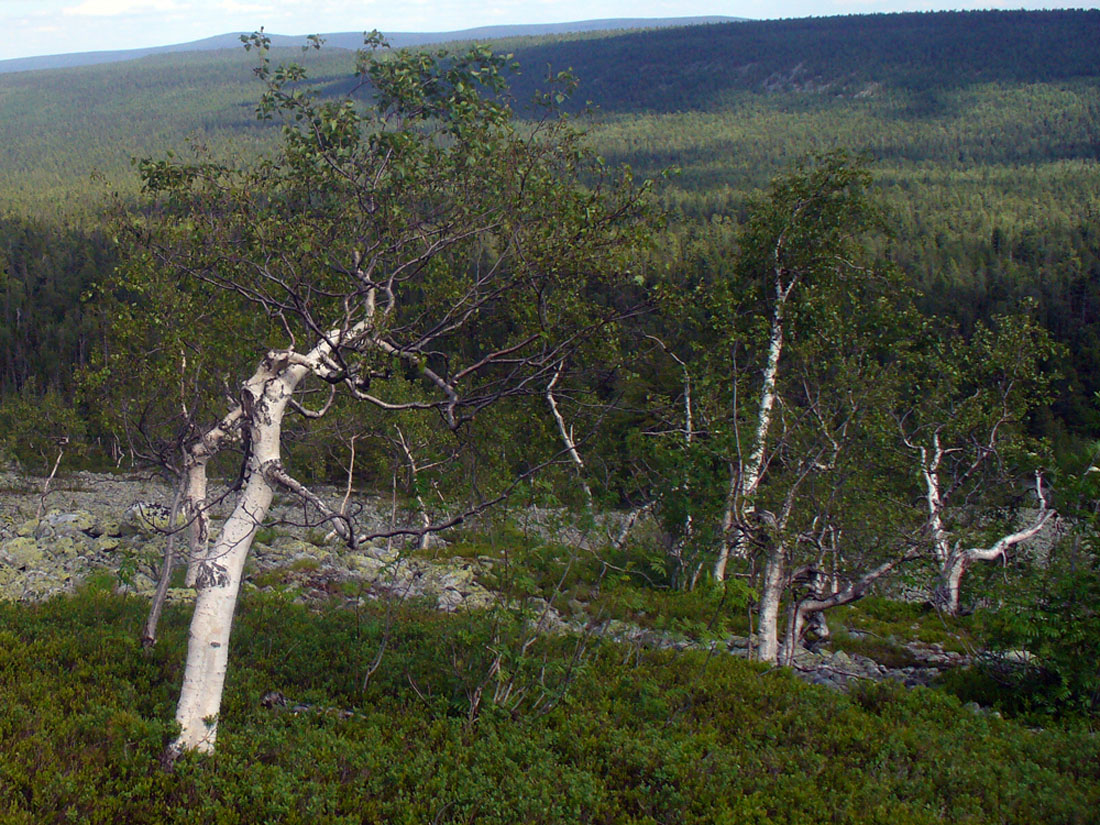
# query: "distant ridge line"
{"points": [[354, 40]]}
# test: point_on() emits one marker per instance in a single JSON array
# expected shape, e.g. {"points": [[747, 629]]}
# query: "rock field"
{"points": [[112, 525], [105, 524]]}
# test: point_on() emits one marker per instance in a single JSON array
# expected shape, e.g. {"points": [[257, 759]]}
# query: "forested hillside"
{"points": [[700, 68], [983, 130], [353, 40]]}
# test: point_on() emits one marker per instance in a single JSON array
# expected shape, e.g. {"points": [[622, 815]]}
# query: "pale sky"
{"points": [[36, 27]]}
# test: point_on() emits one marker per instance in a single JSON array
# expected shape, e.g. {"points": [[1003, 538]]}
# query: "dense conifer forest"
{"points": [[787, 313]]}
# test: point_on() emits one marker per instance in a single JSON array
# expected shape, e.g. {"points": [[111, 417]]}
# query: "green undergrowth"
{"points": [[888, 651], [600, 585], [888, 623], [599, 733]]}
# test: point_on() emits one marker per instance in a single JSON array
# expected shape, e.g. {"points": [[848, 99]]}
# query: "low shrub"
{"points": [[638, 737]]}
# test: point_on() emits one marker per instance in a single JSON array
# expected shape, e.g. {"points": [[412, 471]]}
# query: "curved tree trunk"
{"points": [[809, 611], [194, 501], [218, 575], [945, 595]]}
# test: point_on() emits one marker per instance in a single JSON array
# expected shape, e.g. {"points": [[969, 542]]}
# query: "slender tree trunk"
{"points": [[628, 524], [218, 577], [953, 563], [945, 595], [414, 482], [194, 507], [149, 633], [194, 503], [745, 478], [796, 627], [809, 611], [566, 434], [46, 484]]}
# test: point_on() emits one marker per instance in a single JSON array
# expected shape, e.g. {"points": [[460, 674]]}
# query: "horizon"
{"points": [[42, 28]]}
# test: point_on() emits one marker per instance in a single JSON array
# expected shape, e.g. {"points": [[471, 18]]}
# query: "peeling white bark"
{"points": [[951, 558], [264, 400], [194, 501], [745, 478], [771, 591], [218, 574]]}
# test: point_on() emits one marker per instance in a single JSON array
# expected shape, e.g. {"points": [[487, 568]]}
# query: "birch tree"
{"points": [[801, 236], [802, 375], [778, 434], [830, 513], [964, 426], [420, 254]]}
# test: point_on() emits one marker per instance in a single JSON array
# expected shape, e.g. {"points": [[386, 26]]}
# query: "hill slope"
{"points": [[697, 68], [984, 128], [353, 40], [57, 125]]}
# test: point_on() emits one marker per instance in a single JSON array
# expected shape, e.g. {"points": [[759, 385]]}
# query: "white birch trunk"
{"points": [[767, 644], [194, 507], [218, 576], [946, 595], [194, 503], [746, 478], [953, 561], [422, 511], [566, 434]]}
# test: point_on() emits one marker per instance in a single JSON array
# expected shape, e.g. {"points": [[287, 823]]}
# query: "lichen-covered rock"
{"points": [[67, 547], [807, 658], [471, 597], [364, 567], [77, 522], [27, 528], [145, 518], [261, 551], [42, 585], [842, 661], [439, 577], [289, 548], [478, 598], [11, 584], [138, 583], [106, 544], [22, 553], [109, 525], [449, 601], [379, 551]]}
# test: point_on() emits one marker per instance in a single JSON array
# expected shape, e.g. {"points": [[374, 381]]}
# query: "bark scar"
{"points": [[211, 574]]}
